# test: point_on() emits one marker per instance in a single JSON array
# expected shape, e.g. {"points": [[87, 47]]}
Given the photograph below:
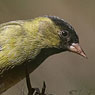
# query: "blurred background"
{"points": [[63, 72]]}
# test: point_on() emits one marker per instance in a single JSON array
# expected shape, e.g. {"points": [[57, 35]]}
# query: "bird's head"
{"points": [[69, 40]]}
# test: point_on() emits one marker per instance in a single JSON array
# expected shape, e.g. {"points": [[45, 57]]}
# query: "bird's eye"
{"points": [[64, 33]]}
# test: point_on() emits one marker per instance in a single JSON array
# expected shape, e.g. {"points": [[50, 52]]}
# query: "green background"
{"points": [[66, 71]]}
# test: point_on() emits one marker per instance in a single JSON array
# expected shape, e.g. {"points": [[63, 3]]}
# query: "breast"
{"points": [[11, 76]]}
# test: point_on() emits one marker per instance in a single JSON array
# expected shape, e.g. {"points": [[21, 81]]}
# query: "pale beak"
{"points": [[75, 47]]}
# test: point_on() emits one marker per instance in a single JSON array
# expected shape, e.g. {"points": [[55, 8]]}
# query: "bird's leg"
{"points": [[43, 88], [34, 91], [30, 89]]}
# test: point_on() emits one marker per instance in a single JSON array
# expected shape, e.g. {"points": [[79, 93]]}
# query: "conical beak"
{"points": [[75, 47]]}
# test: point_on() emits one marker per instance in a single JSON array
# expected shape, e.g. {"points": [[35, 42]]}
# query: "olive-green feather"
{"points": [[21, 40]]}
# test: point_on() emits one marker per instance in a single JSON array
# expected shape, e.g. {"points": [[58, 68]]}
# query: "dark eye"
{"points": [[64, 33]]}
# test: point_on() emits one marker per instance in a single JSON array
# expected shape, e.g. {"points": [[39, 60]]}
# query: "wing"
{"points": [[11, 38], [15, 45]]}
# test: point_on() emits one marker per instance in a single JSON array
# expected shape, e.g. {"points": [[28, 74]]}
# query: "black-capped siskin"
{"points": [[27, 43]]}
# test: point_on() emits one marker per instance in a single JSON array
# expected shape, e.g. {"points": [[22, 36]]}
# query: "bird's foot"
{"points": [[35, 91]]}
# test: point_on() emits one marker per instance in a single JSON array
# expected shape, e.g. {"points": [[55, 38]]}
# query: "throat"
{"points": [[44, 53]]}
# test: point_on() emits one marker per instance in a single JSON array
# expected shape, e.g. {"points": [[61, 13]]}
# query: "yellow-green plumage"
{"points": [[20, 42], [25, 44]]}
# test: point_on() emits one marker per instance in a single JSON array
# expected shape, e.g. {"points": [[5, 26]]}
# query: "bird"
{"points": [[27, 43]]}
